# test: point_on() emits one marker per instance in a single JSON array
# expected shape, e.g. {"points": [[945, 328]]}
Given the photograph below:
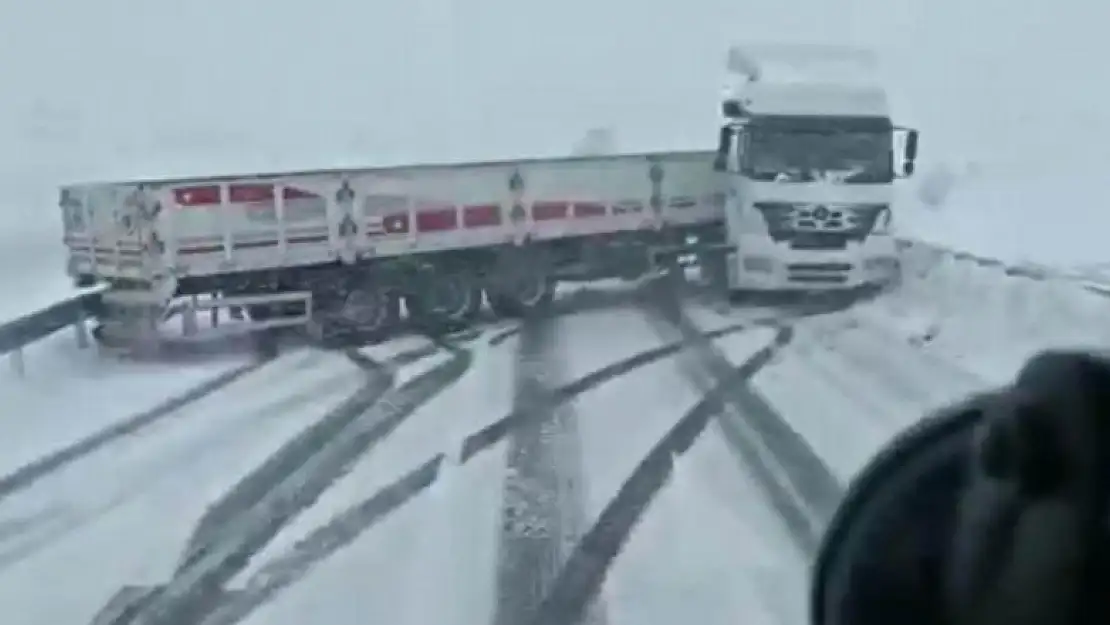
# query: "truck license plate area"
{"points": [[819, 241]]}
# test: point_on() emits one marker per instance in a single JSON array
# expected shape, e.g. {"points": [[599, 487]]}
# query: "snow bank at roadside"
{"points": [[1015, 212], [986, 314]]}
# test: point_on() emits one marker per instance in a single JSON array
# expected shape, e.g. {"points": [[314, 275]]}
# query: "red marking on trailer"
{"points": [[481, 215], [250, 193], [547, 210], [682, 201], [197, 196], [437, 220], [589, 209]]}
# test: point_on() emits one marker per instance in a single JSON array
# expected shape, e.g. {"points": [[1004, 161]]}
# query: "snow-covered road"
{"points": [[606, 465]]}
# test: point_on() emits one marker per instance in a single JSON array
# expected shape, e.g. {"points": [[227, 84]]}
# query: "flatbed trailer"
{"points": [[343, 248]]}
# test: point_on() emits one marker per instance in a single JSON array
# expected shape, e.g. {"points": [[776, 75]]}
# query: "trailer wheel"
{"points": [[261, 312], [740, 297], [356, 315], [448, 300], [524, 298]]}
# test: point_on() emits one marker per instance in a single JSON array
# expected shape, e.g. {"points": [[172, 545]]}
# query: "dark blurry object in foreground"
{"points": [[992, 511]]}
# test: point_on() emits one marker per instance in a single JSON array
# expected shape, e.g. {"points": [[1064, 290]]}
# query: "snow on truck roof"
{"points": [[806, 79], [805, 62], [814, 99]]}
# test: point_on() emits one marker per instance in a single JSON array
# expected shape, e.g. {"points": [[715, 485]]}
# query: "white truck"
{"points": [[808, 146], [340, 250]]}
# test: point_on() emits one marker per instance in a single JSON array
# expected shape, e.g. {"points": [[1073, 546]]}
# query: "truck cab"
{"points": [[810, 170]]}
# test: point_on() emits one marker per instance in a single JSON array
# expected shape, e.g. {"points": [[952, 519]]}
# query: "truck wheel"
{"points": [[356, 315], [525, 298], [632, 265], [739, 296], [448, 301], [714, 271], [261, 312]]}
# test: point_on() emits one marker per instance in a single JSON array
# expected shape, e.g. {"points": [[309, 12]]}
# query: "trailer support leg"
{"points": [[189, 318]]}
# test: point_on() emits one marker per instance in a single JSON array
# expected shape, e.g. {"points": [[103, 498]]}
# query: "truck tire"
{"points": [[714, 271], [259, 312], [447, 301], [355, 314], [525, 299], [739, 297], [632, 264]]}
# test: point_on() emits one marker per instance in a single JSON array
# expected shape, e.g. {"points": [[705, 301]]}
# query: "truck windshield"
{"points": [[786, 155]]}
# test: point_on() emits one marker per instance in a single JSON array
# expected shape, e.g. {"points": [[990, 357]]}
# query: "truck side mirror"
{"points": [[731, 108], [910, 154], [911, 146]]}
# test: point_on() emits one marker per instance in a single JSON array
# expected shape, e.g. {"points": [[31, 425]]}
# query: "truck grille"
{"points": [[819, 226], [816, 279], [819, 267], [819, 273]]}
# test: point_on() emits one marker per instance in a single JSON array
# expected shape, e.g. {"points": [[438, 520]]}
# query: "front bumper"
{"points": [[812, 270]]}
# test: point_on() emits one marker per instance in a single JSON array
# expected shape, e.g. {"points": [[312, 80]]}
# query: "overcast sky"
{"points": [[143, 87]]}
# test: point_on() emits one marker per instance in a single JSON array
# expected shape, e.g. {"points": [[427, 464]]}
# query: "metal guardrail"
{"points": [[32, 327]]}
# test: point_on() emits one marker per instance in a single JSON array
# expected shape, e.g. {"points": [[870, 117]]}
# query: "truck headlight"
{"points": [[883, 220]]}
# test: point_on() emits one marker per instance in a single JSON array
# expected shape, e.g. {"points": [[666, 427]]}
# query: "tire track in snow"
{"points": [[342, 530], [922, 378], [579, 582], [353, 429], [13, 529], [499, 430], [249, 490], [323, 542], [69, 514], [253, 487], [27, 475], [576, 302], [542, 490], [23, 537], [797, 482]]}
